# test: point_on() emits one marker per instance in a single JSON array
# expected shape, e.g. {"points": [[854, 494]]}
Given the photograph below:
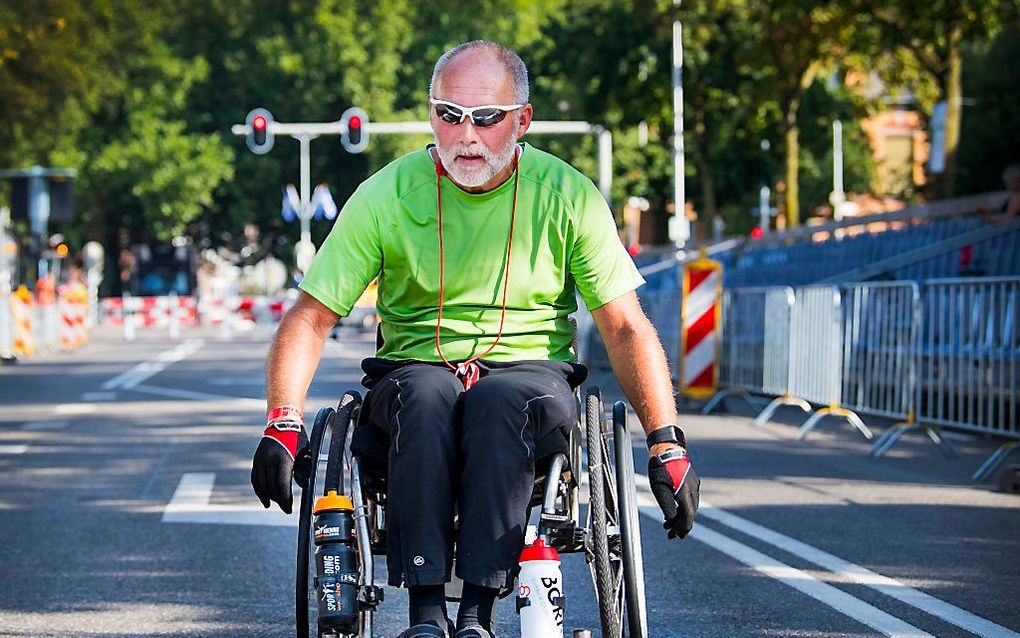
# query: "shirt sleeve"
{"points": [[349, 259], [602, 268]]}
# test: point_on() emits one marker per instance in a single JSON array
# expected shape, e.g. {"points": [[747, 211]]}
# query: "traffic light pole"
{"points": [[682, 231], [305, 247], [304, 133]]}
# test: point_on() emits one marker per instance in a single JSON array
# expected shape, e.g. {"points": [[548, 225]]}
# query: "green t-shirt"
{"points": [[564, 236]]}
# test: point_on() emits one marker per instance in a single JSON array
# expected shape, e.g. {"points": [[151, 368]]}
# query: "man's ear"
{"points": [[525, 115]]}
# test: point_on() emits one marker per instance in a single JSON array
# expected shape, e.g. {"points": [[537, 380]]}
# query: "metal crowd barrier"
{"points": [[942, 355], [883, 329], [816, 360], [755, 344], [969, 361], [662, 309]]}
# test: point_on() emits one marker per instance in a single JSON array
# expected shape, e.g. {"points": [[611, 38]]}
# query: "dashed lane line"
{"points": [[14, 449], [190, 504], [895, 589], [147, 369], [74, 408]]}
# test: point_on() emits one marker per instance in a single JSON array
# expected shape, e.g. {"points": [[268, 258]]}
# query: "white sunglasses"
{"points": [[482, 116]]}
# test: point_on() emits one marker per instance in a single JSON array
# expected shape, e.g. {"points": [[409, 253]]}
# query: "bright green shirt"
{"points": [[564, 236]]}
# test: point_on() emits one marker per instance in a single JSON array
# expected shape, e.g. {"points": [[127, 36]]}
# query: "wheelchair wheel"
{"points": [[602, 515], [630, 528], [336, 423]]}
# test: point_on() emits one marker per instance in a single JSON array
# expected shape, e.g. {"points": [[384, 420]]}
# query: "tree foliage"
{"points": [[140, 96]]}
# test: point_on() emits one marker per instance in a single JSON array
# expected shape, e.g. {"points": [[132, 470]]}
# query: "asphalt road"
{"points": [[125, 510]]}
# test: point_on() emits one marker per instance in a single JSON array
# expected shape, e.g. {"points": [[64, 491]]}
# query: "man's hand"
{"points": [[675, 485], [282, 453]]}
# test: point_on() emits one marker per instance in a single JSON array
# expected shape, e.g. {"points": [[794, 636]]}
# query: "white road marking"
{"points": [[913, 597], [13, 449], [800, 580], [893, 588], [98, 396], [45, 425], [75, 408], [191, 395], [147, 369], [190, 504]]}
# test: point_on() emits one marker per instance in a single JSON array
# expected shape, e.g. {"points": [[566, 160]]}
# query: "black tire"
{"points": [[304, 538], [339, 433], [338, 424], [630, 528], [606, 588]]}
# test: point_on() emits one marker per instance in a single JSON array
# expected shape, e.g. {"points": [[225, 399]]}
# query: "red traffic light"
{"points": [[757, 232], [260, 138], [354, 130]]}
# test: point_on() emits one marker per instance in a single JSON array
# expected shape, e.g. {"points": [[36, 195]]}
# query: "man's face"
{"points": [[477, 158]]}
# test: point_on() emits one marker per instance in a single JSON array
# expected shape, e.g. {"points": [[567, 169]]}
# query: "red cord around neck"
{"points": [[468, 372]]}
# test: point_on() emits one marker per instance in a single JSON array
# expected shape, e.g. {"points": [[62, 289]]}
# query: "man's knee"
{"points": [[413, 399], [501, 408], [427, 388]]}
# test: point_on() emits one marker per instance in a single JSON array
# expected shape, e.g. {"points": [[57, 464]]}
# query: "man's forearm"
{"points": [[293, 358], [639, 363]]}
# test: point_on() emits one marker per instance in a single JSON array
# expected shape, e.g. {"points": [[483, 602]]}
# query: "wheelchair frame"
{"points": [[609, 536]]}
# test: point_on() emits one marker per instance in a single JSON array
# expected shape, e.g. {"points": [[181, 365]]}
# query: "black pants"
{"points": [[473, 451]]}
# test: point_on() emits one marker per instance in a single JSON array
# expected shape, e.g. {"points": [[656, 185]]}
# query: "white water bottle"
{"points": [[540, 598]]}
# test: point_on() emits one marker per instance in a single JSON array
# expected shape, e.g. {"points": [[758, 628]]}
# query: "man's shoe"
{"points": [[473, 632], [424, 630]]}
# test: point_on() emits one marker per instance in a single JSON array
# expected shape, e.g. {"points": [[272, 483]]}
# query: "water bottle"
{"points": [[540, 599], [336, 564]]}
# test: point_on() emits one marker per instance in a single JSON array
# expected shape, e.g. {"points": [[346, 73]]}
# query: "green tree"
{"points": [[990, 136], [936, 33]]}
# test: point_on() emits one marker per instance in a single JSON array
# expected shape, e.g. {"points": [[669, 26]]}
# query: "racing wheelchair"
{"points": [[355, 457]]}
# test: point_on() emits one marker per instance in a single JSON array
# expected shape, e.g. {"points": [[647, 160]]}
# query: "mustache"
{"points": [[465, 149]]}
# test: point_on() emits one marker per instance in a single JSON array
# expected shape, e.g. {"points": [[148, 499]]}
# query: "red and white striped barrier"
{"points": [[700, 312]]}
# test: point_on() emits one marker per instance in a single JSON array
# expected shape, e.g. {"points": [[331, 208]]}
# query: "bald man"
{"points": [[479, 243]]}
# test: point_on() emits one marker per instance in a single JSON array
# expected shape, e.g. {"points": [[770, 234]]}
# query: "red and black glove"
{"points": [[282, 453], [675, 486]]}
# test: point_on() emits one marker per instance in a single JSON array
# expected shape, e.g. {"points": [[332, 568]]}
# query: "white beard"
{"points": [[495, 162]]}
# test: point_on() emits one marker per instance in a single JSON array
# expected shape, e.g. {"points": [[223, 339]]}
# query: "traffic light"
{"points": [[354, 136], [757, 232], [260, 138]]}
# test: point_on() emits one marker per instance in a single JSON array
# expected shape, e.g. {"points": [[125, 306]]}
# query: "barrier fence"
{"points": [[755, 343], [662, 309], [941, 355], [969, 361]]}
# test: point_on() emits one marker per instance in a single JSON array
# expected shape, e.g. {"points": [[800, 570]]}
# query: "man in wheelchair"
{"points": [[478, 243]]}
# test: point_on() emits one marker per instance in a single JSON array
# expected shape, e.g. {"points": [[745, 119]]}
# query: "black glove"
{"points": [[274, 463], [675, 485]]}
